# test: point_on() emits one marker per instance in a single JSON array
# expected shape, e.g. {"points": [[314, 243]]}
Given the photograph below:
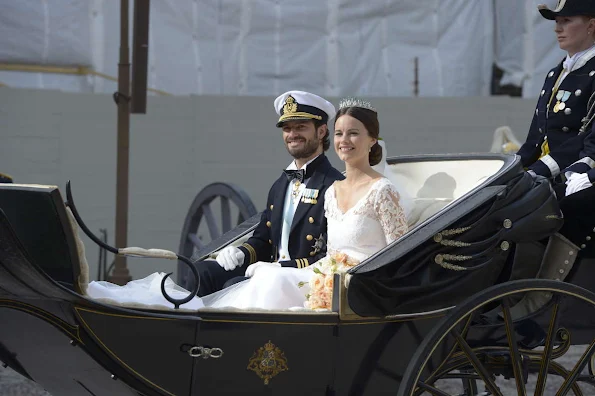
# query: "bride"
{"points": [[363, 212]]}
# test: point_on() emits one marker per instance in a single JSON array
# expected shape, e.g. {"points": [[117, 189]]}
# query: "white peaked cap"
{"points": [[300, 105]]}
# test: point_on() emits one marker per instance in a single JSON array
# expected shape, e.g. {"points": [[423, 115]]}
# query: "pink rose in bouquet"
{"points": [[321, 283]]}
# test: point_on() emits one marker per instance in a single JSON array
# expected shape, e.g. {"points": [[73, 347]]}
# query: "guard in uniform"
{"points": [[292, 228], [577, 197], [556, 134], [577, 194], [561, 144]]}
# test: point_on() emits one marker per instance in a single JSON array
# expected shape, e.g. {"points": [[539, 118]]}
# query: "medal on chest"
{"points": [[561, 98], [310, 196], [295, 191]]}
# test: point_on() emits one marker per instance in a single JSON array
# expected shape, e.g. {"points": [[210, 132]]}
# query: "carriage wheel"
{"points": [[216, 209], [452, 352], [202, 225]]}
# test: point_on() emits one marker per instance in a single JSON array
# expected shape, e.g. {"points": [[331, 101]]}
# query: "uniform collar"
{"points": [[309, 166], [578, 60]]}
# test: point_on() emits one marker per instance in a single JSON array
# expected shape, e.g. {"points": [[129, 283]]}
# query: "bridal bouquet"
{"points": [[321, 283]]}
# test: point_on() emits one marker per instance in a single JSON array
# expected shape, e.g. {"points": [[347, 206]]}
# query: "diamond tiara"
{"points": [[355, 102]]}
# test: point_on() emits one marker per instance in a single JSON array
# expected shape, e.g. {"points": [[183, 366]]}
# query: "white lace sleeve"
{"points": [[390, 213], [327, 199]]}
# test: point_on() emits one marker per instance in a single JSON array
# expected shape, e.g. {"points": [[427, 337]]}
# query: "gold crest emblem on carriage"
{"points": [[267, 362], [290, 105]]}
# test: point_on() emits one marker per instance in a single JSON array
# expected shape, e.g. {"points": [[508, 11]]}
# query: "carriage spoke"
{"points": [[558, 369], [195, 240], [479, 367], [577, 370], [514, 348], [211, 222], [548, 348], [431, 389], [225, 215]]}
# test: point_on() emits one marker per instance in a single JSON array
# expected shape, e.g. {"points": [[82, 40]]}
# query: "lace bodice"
{"points": [[376, 220]]}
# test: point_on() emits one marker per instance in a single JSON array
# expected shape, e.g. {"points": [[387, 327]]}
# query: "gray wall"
{"points": [[184, 143]]}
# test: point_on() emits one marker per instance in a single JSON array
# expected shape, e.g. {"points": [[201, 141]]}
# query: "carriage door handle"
{"points": [[205, 353]]}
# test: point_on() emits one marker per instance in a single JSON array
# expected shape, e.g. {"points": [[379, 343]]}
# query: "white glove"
{"points": [[230, 258], [577, 182], [251, 270]]}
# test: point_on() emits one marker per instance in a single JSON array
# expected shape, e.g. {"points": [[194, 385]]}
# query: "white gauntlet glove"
{"points": [[577, 182], [230, 258]]}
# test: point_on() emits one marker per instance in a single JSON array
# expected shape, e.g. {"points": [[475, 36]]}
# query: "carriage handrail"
{"points": [[139, 252]]}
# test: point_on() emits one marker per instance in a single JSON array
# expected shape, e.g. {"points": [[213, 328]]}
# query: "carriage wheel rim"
{"points": [[228, 193], [461, 312]]}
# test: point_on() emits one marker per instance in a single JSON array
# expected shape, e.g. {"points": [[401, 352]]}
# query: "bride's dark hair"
{"points": [[370, 120]]}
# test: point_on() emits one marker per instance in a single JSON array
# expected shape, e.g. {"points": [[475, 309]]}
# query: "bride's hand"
{"points": [[251, 270]]}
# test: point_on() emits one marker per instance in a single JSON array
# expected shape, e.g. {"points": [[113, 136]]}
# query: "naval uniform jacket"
{"points": [[562, 127], [308, 235], [586, 162], [579, 208]]}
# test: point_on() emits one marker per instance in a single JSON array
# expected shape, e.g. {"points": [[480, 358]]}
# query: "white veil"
{"points": [[382, 167]]}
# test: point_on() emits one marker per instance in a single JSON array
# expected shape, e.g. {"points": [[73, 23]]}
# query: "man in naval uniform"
{"points": [[292, 228], [556, 134]]}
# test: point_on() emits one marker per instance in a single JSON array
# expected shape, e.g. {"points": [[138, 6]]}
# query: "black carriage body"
{"points": [[71, 344]]}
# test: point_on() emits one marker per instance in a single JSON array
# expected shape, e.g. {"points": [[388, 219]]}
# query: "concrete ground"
{"points": [[13, 384]]}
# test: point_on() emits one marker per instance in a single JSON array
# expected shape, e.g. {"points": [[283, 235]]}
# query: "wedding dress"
{"points": [[376, 220], [141, 293]]}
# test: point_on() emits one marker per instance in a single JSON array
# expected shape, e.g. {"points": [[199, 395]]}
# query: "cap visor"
{"points": [[284, 119]]}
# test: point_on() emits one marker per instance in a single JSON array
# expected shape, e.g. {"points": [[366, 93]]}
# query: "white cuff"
{"points": [[551, 164], [586, 160]]}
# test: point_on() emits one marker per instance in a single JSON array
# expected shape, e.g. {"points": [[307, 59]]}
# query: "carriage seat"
{"points": [[49, 234], [39, 219], [431, 186]]}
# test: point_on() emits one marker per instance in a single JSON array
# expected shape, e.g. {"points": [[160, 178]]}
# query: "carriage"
{"points": [[441, 311]]}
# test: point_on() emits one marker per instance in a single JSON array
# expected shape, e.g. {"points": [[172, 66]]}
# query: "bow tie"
{"points": [[295, 174]]}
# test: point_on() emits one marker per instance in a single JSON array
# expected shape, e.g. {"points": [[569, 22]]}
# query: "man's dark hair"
{"points": [[326, 140]]}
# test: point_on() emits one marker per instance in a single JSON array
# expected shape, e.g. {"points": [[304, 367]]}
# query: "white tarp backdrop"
{"points": [[264, 47]]}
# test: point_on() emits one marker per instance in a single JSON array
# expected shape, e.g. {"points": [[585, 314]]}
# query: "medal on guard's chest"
{"points": [[561, 98]]}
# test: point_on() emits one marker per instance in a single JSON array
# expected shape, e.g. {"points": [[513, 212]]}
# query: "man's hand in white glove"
{"points": [[577, 182], [251, 270], [230, 258]]}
